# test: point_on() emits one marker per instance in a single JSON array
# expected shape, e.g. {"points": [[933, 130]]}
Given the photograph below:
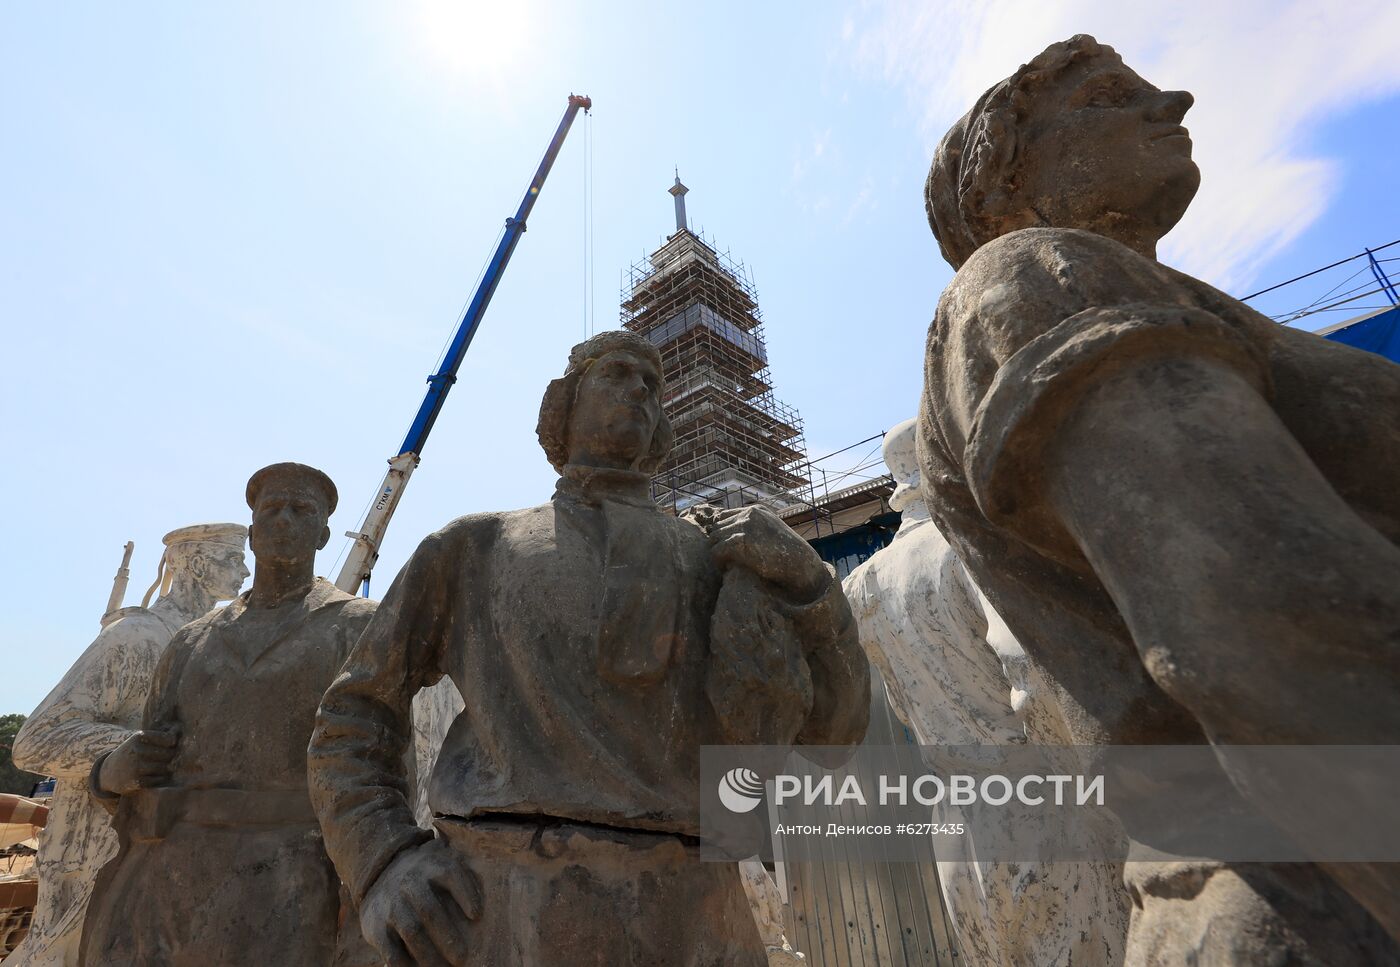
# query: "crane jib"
{"points": [[441, 381], [354, 575]]}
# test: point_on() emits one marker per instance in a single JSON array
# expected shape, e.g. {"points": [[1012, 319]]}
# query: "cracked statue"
{"points": [[598, 644]]}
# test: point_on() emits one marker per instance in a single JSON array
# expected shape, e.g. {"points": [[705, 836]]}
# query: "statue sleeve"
{"points": [[1033, 323], [356, 760], [840, 670], [1037, 389], [82, 717], [782, 673]]}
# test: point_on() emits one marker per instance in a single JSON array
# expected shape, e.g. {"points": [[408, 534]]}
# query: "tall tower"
{"points": [[736, 444]]}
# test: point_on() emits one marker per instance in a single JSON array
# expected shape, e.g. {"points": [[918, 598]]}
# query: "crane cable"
{"points": [[589, 320], [592, 223], [442, 354]]}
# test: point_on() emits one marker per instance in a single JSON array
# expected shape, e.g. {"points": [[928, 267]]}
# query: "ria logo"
{"points": [[740, 790]]}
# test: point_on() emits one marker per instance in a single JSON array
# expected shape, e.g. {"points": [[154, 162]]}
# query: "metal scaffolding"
{"points": [[736, 444]]}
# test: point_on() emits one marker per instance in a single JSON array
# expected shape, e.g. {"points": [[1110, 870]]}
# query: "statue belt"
{"points": [[153, 812]]}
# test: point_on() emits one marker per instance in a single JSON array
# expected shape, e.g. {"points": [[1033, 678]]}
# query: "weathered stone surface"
{"points": [[957, 677], [94, 709], [1158, 488], [579, 634], [221, 859]]}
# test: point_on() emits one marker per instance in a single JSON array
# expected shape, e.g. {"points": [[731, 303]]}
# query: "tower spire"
{"points": [[678, 191], [735, 444]]}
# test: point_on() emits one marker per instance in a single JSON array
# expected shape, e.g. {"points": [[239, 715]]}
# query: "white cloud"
{"points": [[1265, 75]]}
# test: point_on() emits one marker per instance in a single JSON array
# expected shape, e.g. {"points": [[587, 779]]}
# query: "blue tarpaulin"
{"points": [[1378, 334]]}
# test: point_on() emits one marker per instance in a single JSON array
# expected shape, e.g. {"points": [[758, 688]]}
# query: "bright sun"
{"points": [[478, 38]]}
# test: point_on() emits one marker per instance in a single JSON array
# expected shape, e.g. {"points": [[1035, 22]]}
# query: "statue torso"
{"points": [[565, 715], [244, 697]]}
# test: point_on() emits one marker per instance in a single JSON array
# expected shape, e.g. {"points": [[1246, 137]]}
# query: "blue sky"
{"points": [[237, 234]]}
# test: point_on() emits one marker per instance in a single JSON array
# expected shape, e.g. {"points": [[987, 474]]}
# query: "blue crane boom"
{"points": [[365, 551]]}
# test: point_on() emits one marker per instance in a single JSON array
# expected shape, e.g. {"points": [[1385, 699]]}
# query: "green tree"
{"points": [[13, 779]]}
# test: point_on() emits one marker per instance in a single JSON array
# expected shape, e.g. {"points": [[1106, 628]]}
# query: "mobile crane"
{"points": [[354, 575]]}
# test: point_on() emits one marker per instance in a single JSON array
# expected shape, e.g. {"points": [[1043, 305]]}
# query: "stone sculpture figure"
{"points": [[957, 677], [1186, 513], [591, 641], [221, 859], [95, 708]]}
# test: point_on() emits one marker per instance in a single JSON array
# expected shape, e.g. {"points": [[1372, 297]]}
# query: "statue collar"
{"points": [[593, 485]]}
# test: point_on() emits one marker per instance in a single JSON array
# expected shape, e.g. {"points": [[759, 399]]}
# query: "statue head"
{"points": [[1074, 139], [605, 411], [903, 464], [203, 562], [291, 505]]}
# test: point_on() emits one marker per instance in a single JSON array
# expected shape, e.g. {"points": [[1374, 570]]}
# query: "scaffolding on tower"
{"points": [[736, 443]]}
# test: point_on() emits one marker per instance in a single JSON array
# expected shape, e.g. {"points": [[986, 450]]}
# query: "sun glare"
{"points": [[481, 39]]}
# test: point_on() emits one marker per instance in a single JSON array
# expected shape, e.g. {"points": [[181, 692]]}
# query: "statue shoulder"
{"points": [[356, 610], [1025, 283], [131, 625], [1040, 250], [1053, 273], [127, 648], [454, 546], [325, 596], [121, 614], [471, 530], [899, 572], [469, 541]]}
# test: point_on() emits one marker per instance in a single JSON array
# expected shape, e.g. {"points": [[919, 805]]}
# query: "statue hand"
{"points": [[142, 761], [754, 538], [417, 910]]}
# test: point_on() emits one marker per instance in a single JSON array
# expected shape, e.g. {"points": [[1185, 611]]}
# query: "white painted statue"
{"points": [[93, 710], [957, 677], [766, 905]]}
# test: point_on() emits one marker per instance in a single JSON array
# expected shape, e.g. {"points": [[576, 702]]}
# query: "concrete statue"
{"points": [[95, 708], [957, 677], [597, 643], [1158, 488], [221, 859]]}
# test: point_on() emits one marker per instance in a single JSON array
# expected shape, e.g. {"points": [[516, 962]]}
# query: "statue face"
{"points": [[1103, 145], [289, 525], [616, 411], [225, 570]]}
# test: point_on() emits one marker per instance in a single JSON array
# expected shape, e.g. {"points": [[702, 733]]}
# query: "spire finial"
{"points": [[678, 191]]}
